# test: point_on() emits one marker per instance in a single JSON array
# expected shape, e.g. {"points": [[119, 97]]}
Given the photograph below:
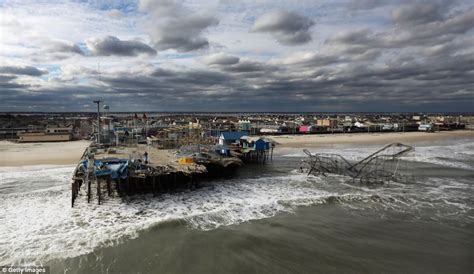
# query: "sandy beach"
{"points": [[296, 141], [57, 153], [68, 153]]}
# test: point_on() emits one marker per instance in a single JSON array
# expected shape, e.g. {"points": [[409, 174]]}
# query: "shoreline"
{"points": [[69, 153], [324, 140]]}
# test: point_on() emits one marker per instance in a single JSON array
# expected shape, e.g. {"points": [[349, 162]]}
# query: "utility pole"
{"points": [[98, 119]]}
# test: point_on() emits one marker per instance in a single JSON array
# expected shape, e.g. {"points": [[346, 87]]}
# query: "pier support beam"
{"points": [[88, 191], [117, 185], [98, 191], [109, 190], [73, 194]]}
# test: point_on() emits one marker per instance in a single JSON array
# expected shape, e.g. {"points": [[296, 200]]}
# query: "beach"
{"points": [[69, 153], [54, 153], [315, 140]]}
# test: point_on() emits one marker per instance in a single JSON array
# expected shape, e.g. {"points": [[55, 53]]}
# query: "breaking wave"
{"points": [[458, 154], [39, 225]]}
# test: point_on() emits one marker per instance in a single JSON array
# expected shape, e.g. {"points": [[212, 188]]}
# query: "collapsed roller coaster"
{"points": [[379, 167]]}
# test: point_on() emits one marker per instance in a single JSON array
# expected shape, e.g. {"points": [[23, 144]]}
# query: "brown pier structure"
{"points": [[124, 171]]}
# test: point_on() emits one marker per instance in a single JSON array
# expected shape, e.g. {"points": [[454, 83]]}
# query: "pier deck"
{"points": [[123, 171]]}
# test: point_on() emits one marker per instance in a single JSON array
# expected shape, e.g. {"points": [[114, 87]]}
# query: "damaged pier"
{"points": [[122, 171]]}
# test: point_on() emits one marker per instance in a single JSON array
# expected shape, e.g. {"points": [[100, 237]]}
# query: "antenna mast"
{"points": [[98, 119]]}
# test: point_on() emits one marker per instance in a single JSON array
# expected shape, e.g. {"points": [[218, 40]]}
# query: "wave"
{"points": [[455, 154], [34, 173], [39, 225]]}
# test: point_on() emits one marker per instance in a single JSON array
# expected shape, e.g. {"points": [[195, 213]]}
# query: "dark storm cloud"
{"points": [[356, 86], [235, 65], [410, 32], [25, 70], [173, 26], [169, 83], [111, 45], [6, 78], [354, 37], [417, 14], [203, 78], [246, 66], [221, 59], [159, 72], [56, 50], [61, 47], [7, 84], [286, 27]]}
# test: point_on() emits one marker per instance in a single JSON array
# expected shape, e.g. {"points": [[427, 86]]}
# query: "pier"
{"points": [[123, 171]]}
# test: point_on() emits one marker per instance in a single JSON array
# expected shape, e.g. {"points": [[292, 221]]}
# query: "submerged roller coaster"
{"points": [[379, 167]]}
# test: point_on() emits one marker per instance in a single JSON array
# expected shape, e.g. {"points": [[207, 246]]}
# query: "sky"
{"points": [[230, 55]]}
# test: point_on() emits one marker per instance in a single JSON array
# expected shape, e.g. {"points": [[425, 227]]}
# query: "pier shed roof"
{"points": [[233, 135]]}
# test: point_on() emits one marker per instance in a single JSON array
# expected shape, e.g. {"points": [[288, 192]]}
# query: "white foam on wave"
{"points": [[39, 225], [30, 173], [456, 154], [449, 154]]}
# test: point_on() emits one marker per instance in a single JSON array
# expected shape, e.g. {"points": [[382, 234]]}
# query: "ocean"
{"points": [[266, 219]]}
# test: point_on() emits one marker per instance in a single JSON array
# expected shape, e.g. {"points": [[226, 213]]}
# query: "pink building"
{"points": [[305, 129]]}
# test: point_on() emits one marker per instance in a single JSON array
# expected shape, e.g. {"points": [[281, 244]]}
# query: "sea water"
{"points": [[268, 218]]}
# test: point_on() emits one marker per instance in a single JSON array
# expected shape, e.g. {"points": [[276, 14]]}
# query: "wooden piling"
{"points": [[98, 191], [88, 191], [73, 194], [108, 186], [117, 185], [127, 185]]}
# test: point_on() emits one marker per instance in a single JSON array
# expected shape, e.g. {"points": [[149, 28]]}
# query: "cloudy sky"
{"points": [[226, 55]]}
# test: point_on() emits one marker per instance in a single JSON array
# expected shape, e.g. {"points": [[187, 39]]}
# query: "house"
{"points": [[257, 143], [269, 129], [44, 136], [244, 125], [231, 137], [416, 118], [304, 129], [425, 127], [327, 122], [360, 125], [59, 130], [262, 144]]}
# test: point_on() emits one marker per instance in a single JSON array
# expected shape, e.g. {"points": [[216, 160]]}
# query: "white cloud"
{"points": [[173, 26], [288, 28]]}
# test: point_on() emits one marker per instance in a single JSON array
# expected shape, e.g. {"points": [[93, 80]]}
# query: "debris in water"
{"points": [[380, 166]]}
